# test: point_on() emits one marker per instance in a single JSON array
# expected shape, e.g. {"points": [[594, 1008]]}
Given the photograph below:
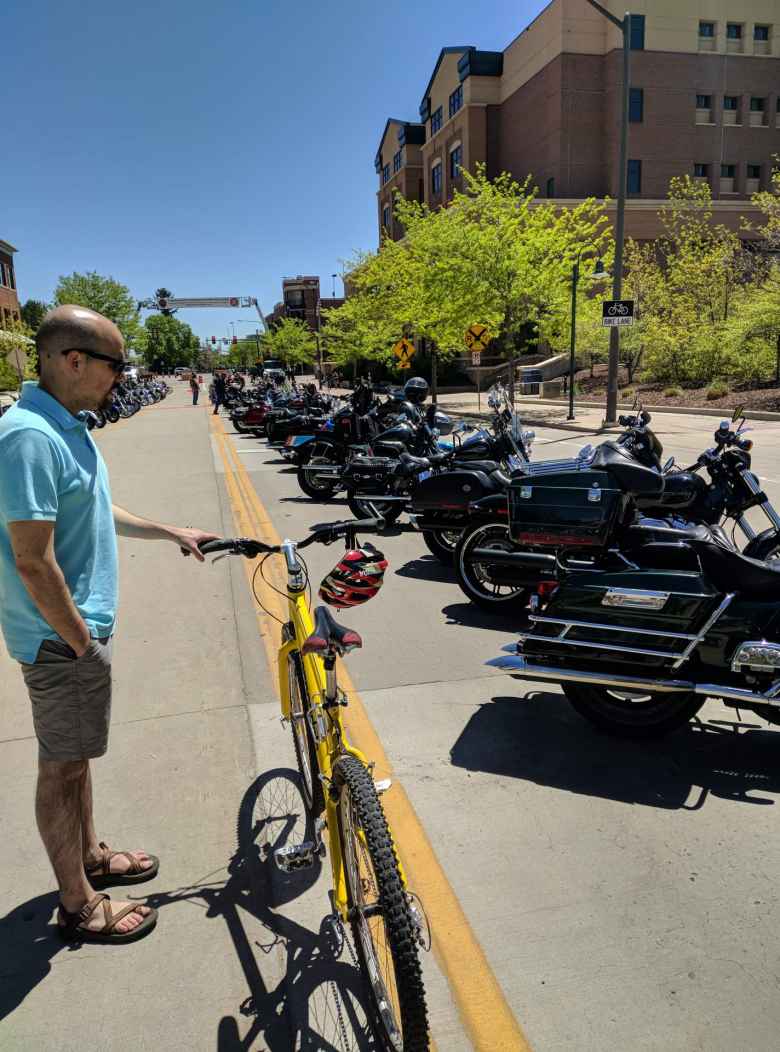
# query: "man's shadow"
{"points": [[319, 1002], [538, 737]]}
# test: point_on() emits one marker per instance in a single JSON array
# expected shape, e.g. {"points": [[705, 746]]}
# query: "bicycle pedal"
{"points": [[382, 785], [296, 856]]}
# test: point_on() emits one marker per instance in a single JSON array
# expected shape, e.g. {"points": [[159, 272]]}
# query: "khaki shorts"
{"points": [[71, 699]]}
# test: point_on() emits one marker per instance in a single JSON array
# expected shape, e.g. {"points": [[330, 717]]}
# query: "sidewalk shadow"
{"points": [[538, 737], [318, 1002], [512, 620], [29, 941], [427, 568]]}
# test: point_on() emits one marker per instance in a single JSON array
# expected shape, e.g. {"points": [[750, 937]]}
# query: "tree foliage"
{"points": [[167, 342], [292, 341], [33, 313], [104, 295]]}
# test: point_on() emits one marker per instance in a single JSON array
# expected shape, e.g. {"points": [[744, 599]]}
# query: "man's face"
{"points": [[98, 378]]}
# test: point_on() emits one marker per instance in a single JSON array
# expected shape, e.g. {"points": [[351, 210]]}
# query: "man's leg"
{"points": [[89, 839]]}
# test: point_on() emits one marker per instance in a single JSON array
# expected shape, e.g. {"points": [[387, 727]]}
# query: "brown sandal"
{"points": [[72, 931], [100, 876]]}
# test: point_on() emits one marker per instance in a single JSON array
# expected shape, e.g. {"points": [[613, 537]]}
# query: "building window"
{"points": [[636, 105], [436, 179], [761, 33], [704, 102], [757, 107], [386, 217], [456, 161], [634, 183], [386, 173], [701, 171], [728, 171], [733, 31], [2, 274], [436, 121], [7, 276], [756, 104], [707, 30], [637, 35], [397, 161], [456, 100], [550, 190], [731, 102], [754, 171]]}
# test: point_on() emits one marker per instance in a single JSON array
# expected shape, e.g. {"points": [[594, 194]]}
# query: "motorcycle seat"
{"points": [[328, 634], [731, 571], [415, 463], [488, 466]]}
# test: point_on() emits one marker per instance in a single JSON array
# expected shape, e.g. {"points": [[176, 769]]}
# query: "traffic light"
{"points": [[234, 340], [213, 339]]}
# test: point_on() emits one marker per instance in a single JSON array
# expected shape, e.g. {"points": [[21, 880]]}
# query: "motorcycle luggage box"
{"points": [[565, 509], [362, 470], [451, 489]]}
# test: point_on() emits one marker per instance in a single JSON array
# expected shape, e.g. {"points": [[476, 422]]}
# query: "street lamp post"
{"points": [[575, 277], [334, 285], [624, 25]]}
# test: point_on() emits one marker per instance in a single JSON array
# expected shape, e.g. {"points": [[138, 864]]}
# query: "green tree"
{"points": [[292, 341], [33, 313], [168, 343], [104, 295]]}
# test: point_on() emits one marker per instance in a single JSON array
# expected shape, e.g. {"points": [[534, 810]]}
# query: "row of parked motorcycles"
{"points": [[624, 571], [127, 399]]}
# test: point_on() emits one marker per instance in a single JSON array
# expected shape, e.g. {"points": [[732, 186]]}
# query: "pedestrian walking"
{"points": [[58, 606], [220, 387], [195, 388]]}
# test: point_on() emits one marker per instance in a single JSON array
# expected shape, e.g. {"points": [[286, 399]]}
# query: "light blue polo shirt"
{"points": [[50, 469]]}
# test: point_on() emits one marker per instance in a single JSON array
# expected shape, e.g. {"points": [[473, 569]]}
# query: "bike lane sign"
{"points": [[617, 312]]}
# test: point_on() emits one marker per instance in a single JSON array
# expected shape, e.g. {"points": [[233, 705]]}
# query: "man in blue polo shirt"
{"points": [[58, 601]]}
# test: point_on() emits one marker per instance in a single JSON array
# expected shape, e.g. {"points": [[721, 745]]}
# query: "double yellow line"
{"points": [[486, 1015]]}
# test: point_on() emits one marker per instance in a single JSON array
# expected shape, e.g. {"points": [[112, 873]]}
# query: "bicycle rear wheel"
{"points": [[305, 751], [385, 932]]}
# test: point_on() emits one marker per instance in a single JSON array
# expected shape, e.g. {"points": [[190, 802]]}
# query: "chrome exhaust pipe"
{"points": [[519, 666]]}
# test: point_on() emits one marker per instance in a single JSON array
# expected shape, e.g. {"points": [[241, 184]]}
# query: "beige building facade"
{"points": [[705, 101]]}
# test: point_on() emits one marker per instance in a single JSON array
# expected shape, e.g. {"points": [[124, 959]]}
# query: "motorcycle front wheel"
{"points": [[479, 581], [632, 713], [321, 488], [442, 544]]}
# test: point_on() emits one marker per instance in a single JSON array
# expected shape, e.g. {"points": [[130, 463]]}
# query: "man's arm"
{"points": [[129, 525], [33, 548]]}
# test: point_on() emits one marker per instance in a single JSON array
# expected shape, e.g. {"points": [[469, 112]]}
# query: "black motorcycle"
{"points": [[665, 495]]}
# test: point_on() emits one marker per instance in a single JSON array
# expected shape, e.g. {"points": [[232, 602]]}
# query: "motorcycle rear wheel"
{"points": [[442, 544], [473, 578], [373, 507], [317, 489], [632, 714]]}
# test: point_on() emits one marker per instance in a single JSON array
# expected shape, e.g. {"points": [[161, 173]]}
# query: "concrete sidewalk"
{"points": [[180, 780]]}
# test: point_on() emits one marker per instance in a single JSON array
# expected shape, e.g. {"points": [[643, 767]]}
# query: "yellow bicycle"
{"points": [[369, 886]]}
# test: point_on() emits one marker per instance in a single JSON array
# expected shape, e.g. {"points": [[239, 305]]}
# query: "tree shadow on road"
{"points": [[318, 1004], [538, 737]]}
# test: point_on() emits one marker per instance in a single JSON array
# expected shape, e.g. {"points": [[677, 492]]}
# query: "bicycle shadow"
{"points": [[538, 737], [318, 1002], [427, 568]]}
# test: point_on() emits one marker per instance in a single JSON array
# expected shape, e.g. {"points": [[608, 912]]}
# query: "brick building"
{"points": [[9, 301], [301, 299], [705, 100]]}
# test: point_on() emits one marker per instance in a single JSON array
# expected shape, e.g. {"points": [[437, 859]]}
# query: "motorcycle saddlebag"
{"points": [[451, 490], [367, 472], [567, 508]]}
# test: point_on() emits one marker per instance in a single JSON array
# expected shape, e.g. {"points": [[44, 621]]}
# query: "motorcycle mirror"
{"points": [[668, 465], [738, 412]]}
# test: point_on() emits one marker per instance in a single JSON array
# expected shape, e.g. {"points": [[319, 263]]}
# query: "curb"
{"points": [[722, 413]]}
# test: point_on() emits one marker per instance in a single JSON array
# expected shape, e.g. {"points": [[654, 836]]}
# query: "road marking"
{"points": [[484, 1011]]}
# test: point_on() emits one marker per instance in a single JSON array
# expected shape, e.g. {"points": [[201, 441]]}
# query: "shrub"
{"points": [[628, 394], [673, 392], [717, 389]]}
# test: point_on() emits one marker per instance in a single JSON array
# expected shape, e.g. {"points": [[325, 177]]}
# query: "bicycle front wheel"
{"points": [[384, 930]]}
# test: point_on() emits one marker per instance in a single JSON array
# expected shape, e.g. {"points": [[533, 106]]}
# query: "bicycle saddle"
{"points": [[329, 634]]}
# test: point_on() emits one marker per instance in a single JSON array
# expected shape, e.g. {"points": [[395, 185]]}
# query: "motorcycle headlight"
{"points": [[528, 437]]}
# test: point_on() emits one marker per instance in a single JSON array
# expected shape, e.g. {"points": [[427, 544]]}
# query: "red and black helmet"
{"points": [[355, 579]]}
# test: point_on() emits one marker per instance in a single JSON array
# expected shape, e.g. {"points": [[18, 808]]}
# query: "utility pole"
{"points": [[624, 25]]}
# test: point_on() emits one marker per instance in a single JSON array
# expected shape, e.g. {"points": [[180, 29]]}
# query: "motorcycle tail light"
{"points": [[757, 655]]}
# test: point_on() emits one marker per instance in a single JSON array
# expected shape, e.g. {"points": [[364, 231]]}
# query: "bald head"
{"points": [[73, 327]]}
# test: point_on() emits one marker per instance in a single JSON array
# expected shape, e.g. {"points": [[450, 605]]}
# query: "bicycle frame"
{"points": [[326, 726]]}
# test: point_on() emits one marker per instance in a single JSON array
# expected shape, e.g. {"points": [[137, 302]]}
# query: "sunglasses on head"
{"points": [[117, 364]]}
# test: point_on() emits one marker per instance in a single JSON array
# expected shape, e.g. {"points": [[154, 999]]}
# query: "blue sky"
{"points": [[211, 148]]}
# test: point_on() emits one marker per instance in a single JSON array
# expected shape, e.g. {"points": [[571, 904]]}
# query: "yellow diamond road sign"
{"points": [[477, 337], [403, 350]]}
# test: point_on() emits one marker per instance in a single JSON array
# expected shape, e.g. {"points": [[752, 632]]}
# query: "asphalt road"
{"points": [[623, 895]]}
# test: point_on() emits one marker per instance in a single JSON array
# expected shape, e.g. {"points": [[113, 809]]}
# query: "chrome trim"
{"points": [[746, 528], [636, 599], [613, 648], [703, 632], [611, 628], [519, 666], [773, 648], [594, 494]]}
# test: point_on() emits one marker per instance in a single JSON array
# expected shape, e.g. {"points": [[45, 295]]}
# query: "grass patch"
{"points": [[717, 389], [628, 394], [673, 392]]}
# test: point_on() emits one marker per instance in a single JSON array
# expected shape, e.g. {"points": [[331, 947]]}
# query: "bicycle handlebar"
{"points": [[321, 533]]}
